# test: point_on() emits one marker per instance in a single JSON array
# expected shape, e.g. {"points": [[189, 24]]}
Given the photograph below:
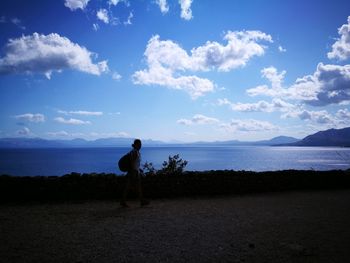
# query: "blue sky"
{"points": [[173, 70]]}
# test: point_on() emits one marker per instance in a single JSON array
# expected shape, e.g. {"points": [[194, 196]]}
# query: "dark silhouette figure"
{"points": [[134, 174]]}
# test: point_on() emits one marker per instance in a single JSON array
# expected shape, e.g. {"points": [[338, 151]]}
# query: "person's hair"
{"points": [[136, 141]]}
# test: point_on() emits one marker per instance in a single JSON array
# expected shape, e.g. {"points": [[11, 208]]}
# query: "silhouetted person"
{"points": [[134, 174]]}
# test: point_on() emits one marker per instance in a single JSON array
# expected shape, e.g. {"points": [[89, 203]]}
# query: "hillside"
{"points": [[331, 137]]}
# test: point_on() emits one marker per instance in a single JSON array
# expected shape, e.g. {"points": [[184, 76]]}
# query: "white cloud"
{"points": [[159, 75], [193, 85], [47, 53], [184, 122], [95, 27], [116, 2], [273, 76], [253, 107], [122, 134], [128, 21], [324, 120], [24, 132], [281, 49], [116, 76], [319, 117], [76, 4], [58, 134], [341, 48], [167, 61], [163, 5], [91, 135], [343, 114], [276, 80], [166, 53], [260, 106], [235, 125], [289, 111], [113, 2], [114, 113], [201, 119], [198, 119], [18, 23], [185, 5], [282, 105], [71, 121], [186, 12], [248, 126], [330, 84], [109, 134], [81, 112], [261, 90], [38, 117], [241, 47], [102, 15], [14, 20], [103, 66], [107, 17], [87, 113]]}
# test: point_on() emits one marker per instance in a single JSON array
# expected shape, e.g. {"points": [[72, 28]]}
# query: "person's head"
{"points": [[137, 144]]}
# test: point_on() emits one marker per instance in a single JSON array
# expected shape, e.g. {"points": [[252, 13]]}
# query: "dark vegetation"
{"points": [[170, 181], [174, 166]]}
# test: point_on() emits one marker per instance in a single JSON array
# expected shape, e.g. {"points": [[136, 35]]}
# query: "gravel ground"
{"points": [[280, 227]]}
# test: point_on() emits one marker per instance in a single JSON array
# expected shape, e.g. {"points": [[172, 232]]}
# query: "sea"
{"points": [[58, 161]]}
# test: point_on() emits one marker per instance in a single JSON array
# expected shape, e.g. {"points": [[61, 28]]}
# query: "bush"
{"points": [[149, 170], [174, 166]]}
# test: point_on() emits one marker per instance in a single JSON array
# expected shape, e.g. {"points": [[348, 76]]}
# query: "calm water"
{"points": [[62, 161]]}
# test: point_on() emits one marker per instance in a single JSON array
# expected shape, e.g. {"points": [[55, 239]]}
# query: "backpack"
{"points": [[124, 163]]}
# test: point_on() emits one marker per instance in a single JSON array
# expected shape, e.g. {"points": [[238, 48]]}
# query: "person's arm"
{"points": [[134, 160]]}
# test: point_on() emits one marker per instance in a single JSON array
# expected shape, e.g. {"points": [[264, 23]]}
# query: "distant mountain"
{"points": [[43, 143], [28, 143], [273, 141], [126, 142], [331, 137], [278, 140]]}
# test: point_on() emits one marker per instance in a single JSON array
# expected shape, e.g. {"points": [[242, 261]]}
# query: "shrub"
{"points": [[149, 169], [174, 166]]}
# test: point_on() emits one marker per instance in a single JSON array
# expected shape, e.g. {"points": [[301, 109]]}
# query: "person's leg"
{"points": [[125, 192], [143, 201], [139, 187]]}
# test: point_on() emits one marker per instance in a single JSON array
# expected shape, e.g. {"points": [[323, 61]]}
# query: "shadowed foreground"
{"points": [[275, 227]]}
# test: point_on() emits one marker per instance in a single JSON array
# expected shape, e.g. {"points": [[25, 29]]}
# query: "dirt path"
{"points": [[284, 227]]}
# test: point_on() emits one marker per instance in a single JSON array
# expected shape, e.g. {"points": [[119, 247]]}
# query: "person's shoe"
{"points": [[124, 204], [144, 202]]}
